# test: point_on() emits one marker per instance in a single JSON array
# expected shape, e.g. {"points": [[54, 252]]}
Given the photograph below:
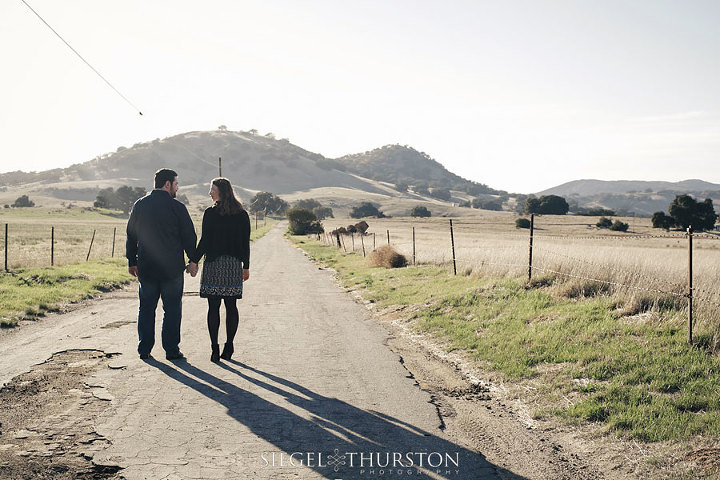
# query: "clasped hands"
{"points": [[192, 269]]}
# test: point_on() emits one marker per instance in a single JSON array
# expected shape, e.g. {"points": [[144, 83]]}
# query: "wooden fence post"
{"points": [[112, 255], [362, 242], [532, 230], [91, 244], [373, 240], [690, 285], [7, 247], [352, 236], [337, 237], [452, 241], [388, 235]]}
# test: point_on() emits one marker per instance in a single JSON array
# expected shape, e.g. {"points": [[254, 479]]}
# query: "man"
{"points": [[158, 231]]}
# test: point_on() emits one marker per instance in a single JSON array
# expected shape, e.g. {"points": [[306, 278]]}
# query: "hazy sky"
{"points": [[519, 95]]}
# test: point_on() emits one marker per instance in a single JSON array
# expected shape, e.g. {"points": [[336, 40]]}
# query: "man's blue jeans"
{"points": [[171, 292]]}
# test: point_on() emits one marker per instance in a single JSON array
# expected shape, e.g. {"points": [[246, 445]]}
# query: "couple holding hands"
{"points": [[159, 234]]}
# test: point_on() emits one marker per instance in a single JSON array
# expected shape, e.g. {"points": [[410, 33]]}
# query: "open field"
{"points": [[579, 360], [643, 268]]}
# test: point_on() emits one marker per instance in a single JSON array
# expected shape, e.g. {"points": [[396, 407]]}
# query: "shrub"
{"points": [[387, 257], [420, 211], [619, 226], [303, 221], [604, 222], [522, 223]]}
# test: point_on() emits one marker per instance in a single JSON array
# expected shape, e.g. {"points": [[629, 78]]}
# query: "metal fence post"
{"points": [[388, 236], [7, 247], [452, 241], [532, 231], [413, 245], [690, 285], [52, 246]]}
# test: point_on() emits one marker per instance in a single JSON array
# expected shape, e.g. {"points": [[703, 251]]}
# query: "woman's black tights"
{"points": [[213, 318]]}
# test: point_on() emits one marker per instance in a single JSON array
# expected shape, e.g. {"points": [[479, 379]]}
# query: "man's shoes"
{"points": [[175, 356], [145, 356]]}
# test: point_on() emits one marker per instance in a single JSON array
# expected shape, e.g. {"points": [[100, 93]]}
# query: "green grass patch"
{"points": [[639, 380], [32, 292]]}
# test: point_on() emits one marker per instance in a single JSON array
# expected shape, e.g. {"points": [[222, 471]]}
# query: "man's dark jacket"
{"points": [[158, 231]]}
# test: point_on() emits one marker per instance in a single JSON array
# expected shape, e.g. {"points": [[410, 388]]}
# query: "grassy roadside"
{"points": [[261, 230], [590, 360], [33, 292]]}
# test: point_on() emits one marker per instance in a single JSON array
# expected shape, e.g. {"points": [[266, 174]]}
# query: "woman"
{"points": [[225, 242]]}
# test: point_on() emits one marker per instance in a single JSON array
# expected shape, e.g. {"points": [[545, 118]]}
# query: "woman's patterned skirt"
{"points": [[221, 277]]}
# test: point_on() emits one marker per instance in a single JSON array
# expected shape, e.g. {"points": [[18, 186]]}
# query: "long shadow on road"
{"points": [[337, 440]]}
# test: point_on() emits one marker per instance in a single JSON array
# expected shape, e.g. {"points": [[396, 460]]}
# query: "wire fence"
{"points": [[659, 265]]}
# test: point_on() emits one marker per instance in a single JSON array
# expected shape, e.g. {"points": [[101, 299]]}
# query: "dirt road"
{"points": [[313, 391]]}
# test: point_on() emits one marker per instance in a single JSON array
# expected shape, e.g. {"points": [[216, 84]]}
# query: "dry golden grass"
{"points": [[645, 268]]}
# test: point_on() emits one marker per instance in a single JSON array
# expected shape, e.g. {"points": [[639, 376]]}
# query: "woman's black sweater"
{"points": [[224, 235]]}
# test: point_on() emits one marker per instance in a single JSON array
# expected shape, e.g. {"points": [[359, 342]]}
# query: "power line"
{"points": [[81, 58]]}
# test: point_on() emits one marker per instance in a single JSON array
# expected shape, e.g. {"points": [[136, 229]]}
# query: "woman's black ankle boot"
{"points": [[227, 351], [215, 357]]}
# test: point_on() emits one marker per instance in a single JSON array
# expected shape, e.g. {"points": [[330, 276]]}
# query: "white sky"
{"points": [[520, 95]]}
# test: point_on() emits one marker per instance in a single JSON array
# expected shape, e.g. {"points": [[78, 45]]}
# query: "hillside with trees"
{"points": [[406, 167]]}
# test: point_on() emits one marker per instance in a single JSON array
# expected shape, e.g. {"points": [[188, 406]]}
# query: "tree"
{"points": [[619, 226], [421, 189], [126, 196], [23, 201], [268, 203], [420, 211], [302, 221], [441, 193], [323, 212], [222, 128], [307, 203], [401, 187], [486, 204], [547, 204], [604, 222], [660, 220], [686, 211], [121, 199], [365, 209]]}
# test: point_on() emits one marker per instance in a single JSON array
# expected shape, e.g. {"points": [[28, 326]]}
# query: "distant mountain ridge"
{"points": [[593, 187], [631, 196]]}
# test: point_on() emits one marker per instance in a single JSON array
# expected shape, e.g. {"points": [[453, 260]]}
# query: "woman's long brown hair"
{"points": [[228, 203]]}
